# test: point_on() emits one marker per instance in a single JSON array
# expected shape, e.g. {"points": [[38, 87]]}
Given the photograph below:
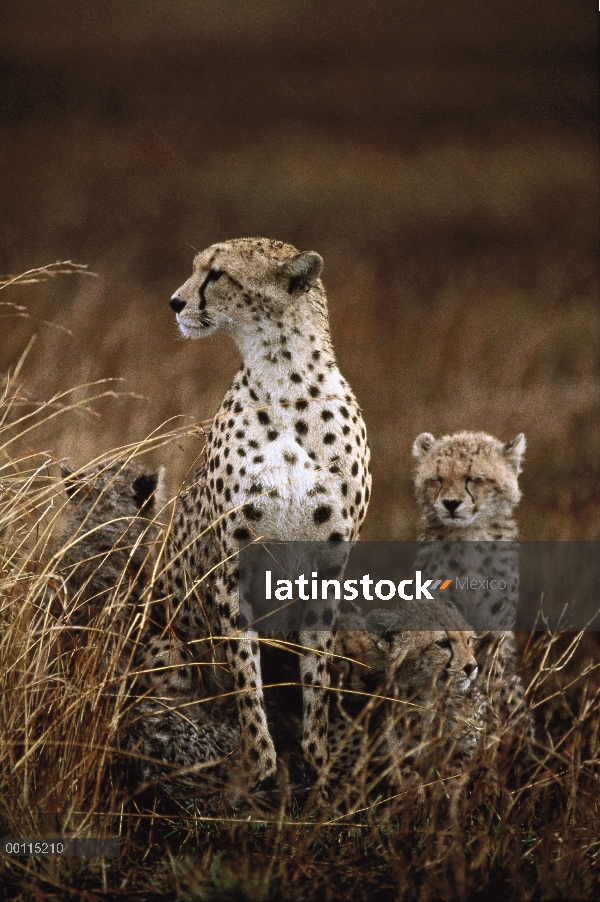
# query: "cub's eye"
{"points": [[476, 479], [433, 480], [445, 644]]}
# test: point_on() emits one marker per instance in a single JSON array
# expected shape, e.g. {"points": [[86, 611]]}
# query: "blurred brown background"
{"points": [[442, 157]]}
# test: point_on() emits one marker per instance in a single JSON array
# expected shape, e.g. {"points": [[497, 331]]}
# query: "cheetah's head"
{"points": [[467, 478], [424, 650], [114, 493], [237, 284]]}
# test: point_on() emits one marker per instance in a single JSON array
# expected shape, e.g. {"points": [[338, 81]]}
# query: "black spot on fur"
{"points": [[251, 512], [322, 514]]}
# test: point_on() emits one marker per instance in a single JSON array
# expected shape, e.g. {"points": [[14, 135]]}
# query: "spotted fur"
{"points": [[405, 683], [467, 489], [286, 459], [107, 542]]}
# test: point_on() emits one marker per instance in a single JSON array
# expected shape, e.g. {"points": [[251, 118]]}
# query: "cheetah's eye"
{"points": [[434, 480], [213, 276], [445, 644], [478, 480]]}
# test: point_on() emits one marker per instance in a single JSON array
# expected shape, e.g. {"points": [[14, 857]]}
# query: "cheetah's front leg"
{"points": [[243, 655], [314, 672]]}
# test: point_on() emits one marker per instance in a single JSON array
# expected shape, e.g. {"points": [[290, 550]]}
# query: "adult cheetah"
{"points": [[286, 459]]}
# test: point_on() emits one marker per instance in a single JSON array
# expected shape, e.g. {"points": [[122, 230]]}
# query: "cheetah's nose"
{"points": [[176, 304], [470, 668], [451, 506]]}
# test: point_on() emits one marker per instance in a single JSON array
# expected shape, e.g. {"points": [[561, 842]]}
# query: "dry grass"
{"points": [[446, 169], [510, 819]]}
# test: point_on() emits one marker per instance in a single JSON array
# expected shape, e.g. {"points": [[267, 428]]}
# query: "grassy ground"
{"points": [[511, 820], [446, 167]]}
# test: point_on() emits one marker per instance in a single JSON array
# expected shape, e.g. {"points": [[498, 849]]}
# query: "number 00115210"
{"points": [[63, 846]]}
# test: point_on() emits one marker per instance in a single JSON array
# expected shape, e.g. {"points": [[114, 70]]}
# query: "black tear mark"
{"points": [[213, 276]]}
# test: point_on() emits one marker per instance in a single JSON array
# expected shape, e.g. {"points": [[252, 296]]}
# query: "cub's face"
{"points": [[237, 284], [112, 495], [426, 663], [400, 647], [439, 662], [464, 479]]}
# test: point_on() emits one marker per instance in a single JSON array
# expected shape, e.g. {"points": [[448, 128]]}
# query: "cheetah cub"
{"points": [[105, 562], [467, 489], [467, 486], [419, 652], [107, 543], [286, 460]]}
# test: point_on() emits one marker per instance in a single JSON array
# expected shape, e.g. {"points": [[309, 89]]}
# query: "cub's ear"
{"points": [[149, 487], [71, 482], [302, 271], [514, 450], [381, 620], [422, 444]]}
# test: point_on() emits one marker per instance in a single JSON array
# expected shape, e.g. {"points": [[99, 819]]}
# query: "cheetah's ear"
{"points": [[302, 270], [148, 486], [381, 621], [422, 444], [514, 450], [71, 482]]}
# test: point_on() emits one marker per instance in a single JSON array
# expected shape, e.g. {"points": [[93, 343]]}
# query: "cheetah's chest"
{"points": [[290, 479]]}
